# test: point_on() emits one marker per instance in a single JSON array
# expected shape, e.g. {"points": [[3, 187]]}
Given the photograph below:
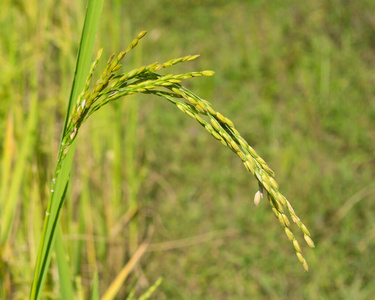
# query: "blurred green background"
{"points": [[297, 78]]}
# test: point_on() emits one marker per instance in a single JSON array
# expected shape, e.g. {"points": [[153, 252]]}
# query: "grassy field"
{"points": [[297, 78]]}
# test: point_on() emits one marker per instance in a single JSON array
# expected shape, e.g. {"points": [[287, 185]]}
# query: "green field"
{"points": [[297, 78]]}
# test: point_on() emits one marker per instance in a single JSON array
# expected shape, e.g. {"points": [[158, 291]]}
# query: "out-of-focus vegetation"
{"points": [[298, 80]]}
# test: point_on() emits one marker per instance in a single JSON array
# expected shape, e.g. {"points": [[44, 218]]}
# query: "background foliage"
{"points": [[297, 79]]}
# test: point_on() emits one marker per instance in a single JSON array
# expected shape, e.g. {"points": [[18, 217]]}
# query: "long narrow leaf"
{"points": [[95, 287], [26, 150], [66, 286], [62, 172]]}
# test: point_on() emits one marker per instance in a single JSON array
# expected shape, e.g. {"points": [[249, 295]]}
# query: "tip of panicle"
{"points": [[192, 57], [141, 34], [208, 73], [100, 52]]}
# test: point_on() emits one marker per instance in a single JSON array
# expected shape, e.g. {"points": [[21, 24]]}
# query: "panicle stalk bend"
{"points": [[111, 86]]}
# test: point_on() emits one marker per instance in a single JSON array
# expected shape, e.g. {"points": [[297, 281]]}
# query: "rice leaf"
{"points": [[61, 177]]}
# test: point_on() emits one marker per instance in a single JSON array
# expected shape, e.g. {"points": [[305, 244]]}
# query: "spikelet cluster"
{"points": [[111, 86]]}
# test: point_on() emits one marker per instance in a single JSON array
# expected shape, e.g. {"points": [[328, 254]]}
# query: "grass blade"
{"points": [[66, 286], [151, 289], [124, 273], [95, 287], [61, 181], [27, 146]]}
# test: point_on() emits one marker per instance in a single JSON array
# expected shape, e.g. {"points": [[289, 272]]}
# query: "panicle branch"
{"points": [[111, 86]]}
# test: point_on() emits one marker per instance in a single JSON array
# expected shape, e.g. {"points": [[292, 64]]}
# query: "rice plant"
{"points": [[112, 85]]}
